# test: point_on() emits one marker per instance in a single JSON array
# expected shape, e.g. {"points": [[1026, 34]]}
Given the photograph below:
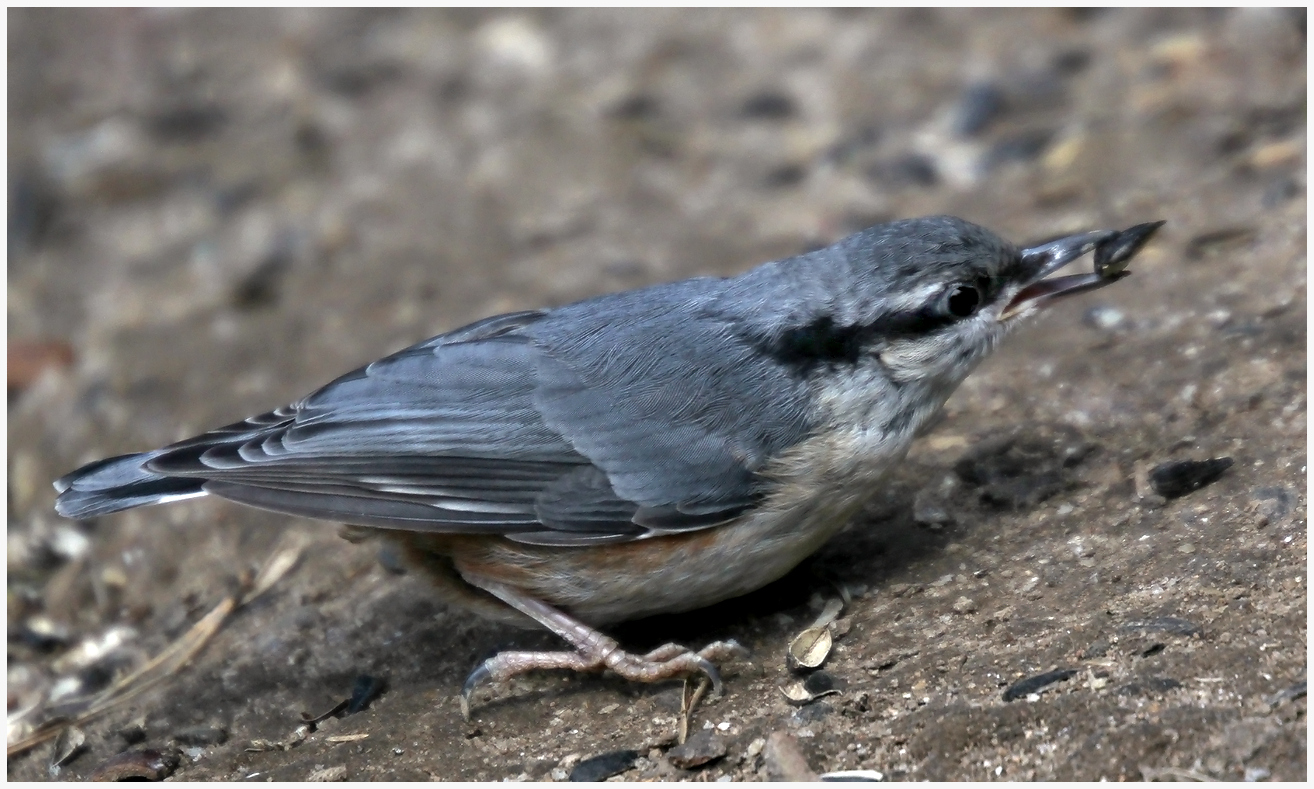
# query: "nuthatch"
{"points": [[646, 452]]}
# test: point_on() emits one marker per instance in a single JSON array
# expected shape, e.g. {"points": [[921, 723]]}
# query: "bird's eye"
{"points": [[963, 300]]}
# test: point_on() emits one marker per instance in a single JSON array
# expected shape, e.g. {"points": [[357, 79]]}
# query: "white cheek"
{"points": [[920, 358], [948, 356]]}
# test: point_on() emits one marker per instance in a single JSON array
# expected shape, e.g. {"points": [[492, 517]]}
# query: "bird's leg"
{"points": [[593, 651]]}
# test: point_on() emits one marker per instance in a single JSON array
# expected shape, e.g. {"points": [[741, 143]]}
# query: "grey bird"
{"points": [[644, 452]]}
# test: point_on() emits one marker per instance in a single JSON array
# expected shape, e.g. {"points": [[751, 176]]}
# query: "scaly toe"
{"points": [[724, 650]]}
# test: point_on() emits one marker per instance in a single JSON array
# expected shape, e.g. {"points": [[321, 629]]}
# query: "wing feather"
{"points": [[527, 425]]}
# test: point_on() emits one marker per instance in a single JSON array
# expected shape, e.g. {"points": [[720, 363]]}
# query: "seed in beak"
{"points": [[1113, 255]]}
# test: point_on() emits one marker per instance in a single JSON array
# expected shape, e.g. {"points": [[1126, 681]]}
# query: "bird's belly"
{"points": [[612, 583]]}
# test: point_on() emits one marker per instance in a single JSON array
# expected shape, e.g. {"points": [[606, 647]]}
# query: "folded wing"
{"points": [[495, 428]]}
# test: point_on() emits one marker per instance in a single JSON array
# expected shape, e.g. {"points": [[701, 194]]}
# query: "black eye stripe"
{"points": [[912, 322], [822, 342]]}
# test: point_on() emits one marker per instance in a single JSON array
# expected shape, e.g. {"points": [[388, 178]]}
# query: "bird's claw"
{"points": [[713, 675], [480, 674]]}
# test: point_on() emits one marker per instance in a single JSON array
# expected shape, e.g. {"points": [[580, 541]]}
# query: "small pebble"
{"points": [[1219, 318], [755, 747], [978, 106], [1273, 503], [783, 760], [44, 633], [698, 750], [1104, 318], [768, 106]]}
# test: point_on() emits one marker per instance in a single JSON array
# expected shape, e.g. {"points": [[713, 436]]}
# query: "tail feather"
{"points": [[119, 483]]}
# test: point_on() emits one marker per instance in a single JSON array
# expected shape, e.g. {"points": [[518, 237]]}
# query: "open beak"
{"points": [[1113, 249]]}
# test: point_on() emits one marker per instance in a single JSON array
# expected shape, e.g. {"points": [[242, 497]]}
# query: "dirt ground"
{"points": [[212, 213]]}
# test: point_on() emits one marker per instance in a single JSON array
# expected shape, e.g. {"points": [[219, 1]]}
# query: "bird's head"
{"points": [[895, 317]]}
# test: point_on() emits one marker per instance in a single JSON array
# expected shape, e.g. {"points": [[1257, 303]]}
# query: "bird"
{"points": [[650, 451]]}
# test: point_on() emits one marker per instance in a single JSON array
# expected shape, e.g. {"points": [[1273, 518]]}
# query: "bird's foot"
{"points": [[600, 653], [593, 651]]}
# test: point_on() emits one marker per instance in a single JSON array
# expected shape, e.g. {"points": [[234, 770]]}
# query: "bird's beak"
{"points": [[1113, 250]]}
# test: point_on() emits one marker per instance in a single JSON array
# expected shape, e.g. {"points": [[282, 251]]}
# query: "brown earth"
{"points": [[211, 213]]}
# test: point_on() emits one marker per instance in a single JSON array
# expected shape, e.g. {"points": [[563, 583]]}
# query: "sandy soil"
{"points": [[211, 213]]}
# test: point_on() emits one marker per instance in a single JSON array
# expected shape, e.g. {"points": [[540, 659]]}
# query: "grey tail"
{"points": [[119, 483]]}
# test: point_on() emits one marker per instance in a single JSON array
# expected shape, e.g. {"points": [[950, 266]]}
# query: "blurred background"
{"points": [[213, 212]]}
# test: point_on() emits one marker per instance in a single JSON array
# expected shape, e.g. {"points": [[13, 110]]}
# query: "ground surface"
{"points": [[212, 213]]}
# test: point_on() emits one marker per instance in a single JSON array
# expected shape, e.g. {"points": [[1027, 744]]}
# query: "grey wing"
{"points": [[661, 389], [447, 436]]}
